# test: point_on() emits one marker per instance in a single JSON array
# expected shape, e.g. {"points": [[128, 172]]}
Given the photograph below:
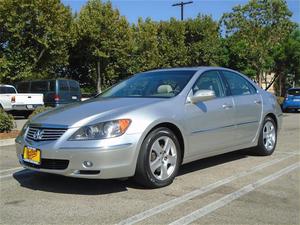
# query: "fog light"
{"points": [[87, 164]]}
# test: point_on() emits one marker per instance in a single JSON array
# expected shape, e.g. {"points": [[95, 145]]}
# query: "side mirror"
{"points": [[201, 96]]}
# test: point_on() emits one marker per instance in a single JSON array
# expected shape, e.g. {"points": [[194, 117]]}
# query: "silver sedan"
{"points": [[150, 124]]}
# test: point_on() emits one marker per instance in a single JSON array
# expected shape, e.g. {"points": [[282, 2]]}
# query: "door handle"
{"points": [[258, 102], [226, 106]]}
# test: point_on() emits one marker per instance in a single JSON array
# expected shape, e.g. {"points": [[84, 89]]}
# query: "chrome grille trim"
{"points": [[45, 134]]}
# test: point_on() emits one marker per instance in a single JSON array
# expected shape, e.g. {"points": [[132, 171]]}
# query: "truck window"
{"points": [[7, 90]]}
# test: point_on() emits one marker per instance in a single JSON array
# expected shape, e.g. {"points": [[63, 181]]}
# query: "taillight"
{"points": [[13, 99], [56, 97]]}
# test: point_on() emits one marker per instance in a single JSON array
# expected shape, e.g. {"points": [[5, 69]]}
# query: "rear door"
{"points": [[74, 91], [64, 94], [248, 107], [210, 123]]}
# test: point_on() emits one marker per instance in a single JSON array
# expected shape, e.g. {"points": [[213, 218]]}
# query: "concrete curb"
{"points": [[6, 142]]}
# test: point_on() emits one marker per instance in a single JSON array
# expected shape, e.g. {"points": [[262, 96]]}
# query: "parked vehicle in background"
{"points": [[292, 100], [56, 92], [12, 100]]}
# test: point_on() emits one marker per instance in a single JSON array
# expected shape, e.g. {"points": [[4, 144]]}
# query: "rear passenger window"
{"points": [[63, 85], [238, 85]]}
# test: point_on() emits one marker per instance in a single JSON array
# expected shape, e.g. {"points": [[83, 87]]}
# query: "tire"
{"points": [[267, 138], [159, 159]]}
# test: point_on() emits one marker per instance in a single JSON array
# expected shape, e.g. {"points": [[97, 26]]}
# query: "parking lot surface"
{"points": [[234, 188]]}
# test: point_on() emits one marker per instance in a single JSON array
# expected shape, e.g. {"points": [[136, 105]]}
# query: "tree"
{"points": [[145, 52], [103, 43], [287, 62], [34, 36], [171, 43], [253, 30]]}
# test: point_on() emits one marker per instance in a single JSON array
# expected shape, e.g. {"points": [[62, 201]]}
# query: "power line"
{"points": [[181, 4]]}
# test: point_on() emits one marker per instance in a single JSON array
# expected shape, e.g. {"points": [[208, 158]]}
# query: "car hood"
{"points": [[82, 113]]}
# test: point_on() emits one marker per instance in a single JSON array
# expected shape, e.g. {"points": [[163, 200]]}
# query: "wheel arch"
{"points": [[175, 129], [273, 116]]}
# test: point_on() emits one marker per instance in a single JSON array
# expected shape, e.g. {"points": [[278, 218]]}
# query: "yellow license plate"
{"points": [[32, 155]]}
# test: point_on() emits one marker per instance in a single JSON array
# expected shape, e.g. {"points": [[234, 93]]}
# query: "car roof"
{"points": [[196, 69], [6, 85]]}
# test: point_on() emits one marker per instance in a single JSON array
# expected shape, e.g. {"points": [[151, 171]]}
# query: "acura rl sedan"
{"points": [[148, 125]]}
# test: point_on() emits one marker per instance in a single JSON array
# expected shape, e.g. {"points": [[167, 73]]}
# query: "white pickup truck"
{"points": [[11, 100]]}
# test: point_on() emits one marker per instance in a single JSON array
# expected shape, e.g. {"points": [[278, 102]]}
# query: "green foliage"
{"points": [[252, 31], [171, 44], [6, 121], [98, 47], [103, 38], [39, 110], [34, 37], [203, 42]]}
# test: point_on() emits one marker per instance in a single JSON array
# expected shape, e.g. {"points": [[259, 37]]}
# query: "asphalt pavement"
{"points": [[234, 188]]}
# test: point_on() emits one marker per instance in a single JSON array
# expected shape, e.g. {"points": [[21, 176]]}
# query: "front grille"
{"points": [[50, 164], [44, 134]]}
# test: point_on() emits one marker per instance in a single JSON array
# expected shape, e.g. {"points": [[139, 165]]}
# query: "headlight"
{"points": [[103, 130], [22, 132]]}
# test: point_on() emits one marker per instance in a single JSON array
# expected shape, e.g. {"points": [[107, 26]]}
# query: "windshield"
{"points": [[295, 92], [157, 84]]}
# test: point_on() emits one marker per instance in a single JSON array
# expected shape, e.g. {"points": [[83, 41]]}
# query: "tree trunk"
{"points": [[98, 77]]}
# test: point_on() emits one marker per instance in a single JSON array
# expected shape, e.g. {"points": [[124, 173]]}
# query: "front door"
{"points": [[210, 123]]}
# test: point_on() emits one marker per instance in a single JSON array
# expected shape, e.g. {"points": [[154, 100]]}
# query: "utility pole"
{"points": [[181, 4]]}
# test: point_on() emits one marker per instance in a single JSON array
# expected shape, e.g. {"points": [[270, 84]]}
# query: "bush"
{"points": [[6, 122], [39, 110]]}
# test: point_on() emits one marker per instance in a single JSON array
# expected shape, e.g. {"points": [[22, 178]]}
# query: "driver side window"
{"points": [[209, 81]]}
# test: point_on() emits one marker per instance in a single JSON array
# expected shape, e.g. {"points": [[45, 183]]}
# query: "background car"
{"points": [[11, 100], [150, 124], [292, 100], [56, 92]]}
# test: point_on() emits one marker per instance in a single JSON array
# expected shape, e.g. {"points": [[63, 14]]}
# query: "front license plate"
{"points": [[32, 155]]}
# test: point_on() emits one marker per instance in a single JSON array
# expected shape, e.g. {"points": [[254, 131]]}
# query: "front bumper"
{"points": [[109, 161]]}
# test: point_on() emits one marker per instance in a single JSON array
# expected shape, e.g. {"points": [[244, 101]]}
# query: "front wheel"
{"points": [[268, 137], [159, 159]]}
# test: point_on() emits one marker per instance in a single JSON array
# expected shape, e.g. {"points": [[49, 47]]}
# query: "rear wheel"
{"points": [[268, 138], [159, 159]]}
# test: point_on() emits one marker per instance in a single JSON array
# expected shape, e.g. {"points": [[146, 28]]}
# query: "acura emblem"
{"points": [[38, 134]]}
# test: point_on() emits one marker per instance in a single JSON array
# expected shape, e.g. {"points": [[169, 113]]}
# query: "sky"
{"points": [[162, 9]]}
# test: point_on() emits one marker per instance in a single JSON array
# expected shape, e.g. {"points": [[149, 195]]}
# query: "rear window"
{"points": [[295, 92], [39, 86], [74, 86], [7, 90], [23, 87], [63, 85]]}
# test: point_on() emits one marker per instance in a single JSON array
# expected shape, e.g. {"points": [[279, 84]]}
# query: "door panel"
{"points": [[248, 107], [210, 123], [247, 116]]}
